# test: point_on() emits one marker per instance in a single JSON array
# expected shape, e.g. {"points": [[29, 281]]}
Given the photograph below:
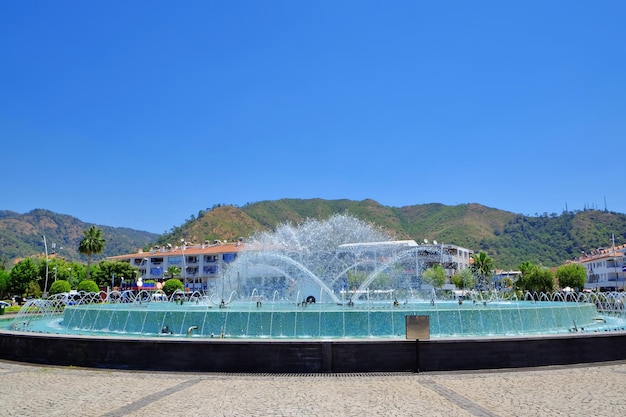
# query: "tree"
{"points": [[381, 282], [33, 290], [571, 275], [92, 243], [75, 273], [88, 286], [4, 282], [111, 272], [173, 271], [539, 279], [355, 279], [435, 276], [483, 268], [464, 279], [172, 285], [59, 287], [526, 267], [22, 274]]}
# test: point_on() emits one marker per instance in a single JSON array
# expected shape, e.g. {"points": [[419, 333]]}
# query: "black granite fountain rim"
{"points": [[317, 356]]}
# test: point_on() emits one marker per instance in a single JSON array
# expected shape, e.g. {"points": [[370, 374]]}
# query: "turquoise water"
{"points": [[325, 321]]}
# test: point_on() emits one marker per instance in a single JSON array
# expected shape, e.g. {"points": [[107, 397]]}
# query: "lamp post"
{"points": [[70, 280], [45, 287], [140, 278], [139, 285], [56, 259], [139, 269], [182, 248]]}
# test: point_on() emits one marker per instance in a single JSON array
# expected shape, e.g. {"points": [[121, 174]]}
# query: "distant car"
{"points": [[4, 304], [159, 297]]}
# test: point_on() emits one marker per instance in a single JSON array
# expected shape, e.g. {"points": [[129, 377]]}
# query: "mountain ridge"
{"points": [[21, 235], [509, 238]]}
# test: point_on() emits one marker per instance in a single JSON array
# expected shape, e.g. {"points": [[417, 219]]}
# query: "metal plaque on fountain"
{"points": [[418, 327]]}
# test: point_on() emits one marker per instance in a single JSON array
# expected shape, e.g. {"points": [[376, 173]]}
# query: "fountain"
{"points": [[335, 287]]}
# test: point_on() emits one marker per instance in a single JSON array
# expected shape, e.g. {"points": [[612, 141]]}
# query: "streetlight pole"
{"points": [[140, 278], [182, 248], [56, 259], [45, 287], [139, 268]]}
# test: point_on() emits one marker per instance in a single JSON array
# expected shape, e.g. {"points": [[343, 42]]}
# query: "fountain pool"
{"points": [[282, 320], [309, 299]]}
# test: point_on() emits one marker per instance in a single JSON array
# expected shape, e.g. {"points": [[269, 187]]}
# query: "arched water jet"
{"points": [[265, 258], [383, 267]]}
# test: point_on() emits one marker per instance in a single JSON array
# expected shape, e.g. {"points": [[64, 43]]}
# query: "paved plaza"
{"points": [[589, 390]]}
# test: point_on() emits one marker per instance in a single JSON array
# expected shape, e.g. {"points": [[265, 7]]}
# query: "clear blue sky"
{"points": [[141, 113]]}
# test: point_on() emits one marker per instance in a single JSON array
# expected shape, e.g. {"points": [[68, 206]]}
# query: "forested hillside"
{"points": [[507, 237], [21, 235]]}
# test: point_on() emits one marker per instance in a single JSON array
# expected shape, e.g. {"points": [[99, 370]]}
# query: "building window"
{"points": [[229, 257], [210, 269]]}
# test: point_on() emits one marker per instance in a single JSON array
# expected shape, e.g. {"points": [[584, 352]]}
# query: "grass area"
{"points": [[12, 309]]}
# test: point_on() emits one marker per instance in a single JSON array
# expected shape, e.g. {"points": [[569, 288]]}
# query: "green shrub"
{"points": [[60, 286], [88, 286], [171, 285]]}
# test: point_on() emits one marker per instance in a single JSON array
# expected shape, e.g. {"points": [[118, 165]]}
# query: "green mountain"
{"points": [[21, 235], [507, 237]]}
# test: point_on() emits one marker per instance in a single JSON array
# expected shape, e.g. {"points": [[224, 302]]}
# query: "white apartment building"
{"points": [[606, 270], [200, 265], [415, 257]]}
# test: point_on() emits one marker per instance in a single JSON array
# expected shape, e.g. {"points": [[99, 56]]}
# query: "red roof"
{"points": [[188, 250]]}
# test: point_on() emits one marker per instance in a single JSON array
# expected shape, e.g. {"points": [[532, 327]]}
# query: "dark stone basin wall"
{"points": [[315, 356]]}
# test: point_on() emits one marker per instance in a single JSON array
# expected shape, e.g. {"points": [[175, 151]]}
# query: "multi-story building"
{"points": [[502, 280], [413, 256], [606, 269], [200, 265]]}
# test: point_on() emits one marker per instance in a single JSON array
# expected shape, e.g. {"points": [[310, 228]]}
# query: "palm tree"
{"points": [[483, 268], [172, 271], [92, 243]]}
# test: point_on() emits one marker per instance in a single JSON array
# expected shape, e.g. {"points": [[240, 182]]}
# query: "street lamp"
{"points": [[45, 287], [182, 246], [140, 279], [70, 280], [56, 259], [139, 267]]}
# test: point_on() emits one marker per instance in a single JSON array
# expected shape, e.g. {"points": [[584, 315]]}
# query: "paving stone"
{"points": [[590, 390]]}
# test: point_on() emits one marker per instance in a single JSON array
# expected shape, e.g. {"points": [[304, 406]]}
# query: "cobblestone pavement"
{"points": [[589, 390]]}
